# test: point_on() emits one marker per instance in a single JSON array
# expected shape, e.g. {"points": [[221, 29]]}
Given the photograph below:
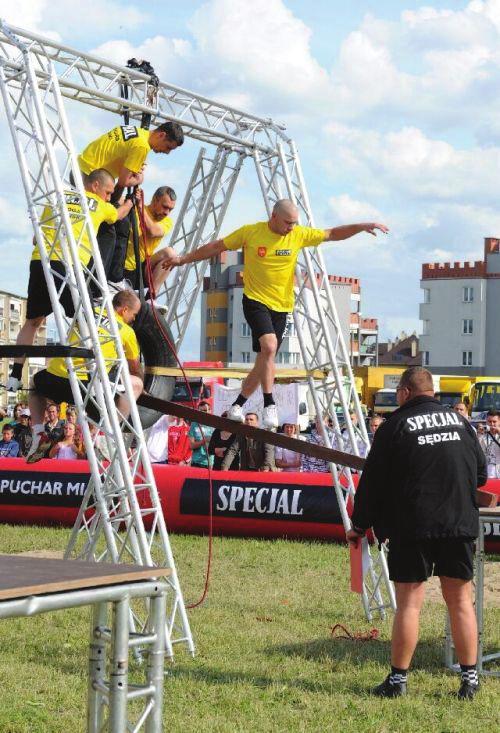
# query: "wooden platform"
{"points": [[27, 576]]}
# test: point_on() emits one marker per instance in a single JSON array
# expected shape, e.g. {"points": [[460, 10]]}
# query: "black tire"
{"points": [[156, 352]]}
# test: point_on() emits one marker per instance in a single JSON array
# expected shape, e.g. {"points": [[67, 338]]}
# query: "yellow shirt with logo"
{"points": [[126, 146], [99, 211], [152, 243], [270, 261], [58, 368]]}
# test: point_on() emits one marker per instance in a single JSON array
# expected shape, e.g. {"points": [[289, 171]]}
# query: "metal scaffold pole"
{"points": [[121, 493]]}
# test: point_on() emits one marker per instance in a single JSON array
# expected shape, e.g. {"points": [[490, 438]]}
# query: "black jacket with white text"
{"points": [[421, 475]]}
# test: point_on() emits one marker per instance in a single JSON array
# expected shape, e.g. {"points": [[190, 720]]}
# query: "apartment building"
{"points": [[459, 313], [12, 316]]}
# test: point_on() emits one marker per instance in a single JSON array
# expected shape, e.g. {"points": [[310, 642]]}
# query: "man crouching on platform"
{"points": [[418, 491], [53, 383]]}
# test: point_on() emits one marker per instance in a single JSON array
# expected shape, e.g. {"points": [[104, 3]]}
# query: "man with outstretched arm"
{"points": [[270, 249], [99, 186], [53, 382], [418, 491]]}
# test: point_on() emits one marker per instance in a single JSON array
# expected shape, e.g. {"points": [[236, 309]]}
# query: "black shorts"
{"points": [[415, 562], [53, 388], [39, 304], [131, 276], [262, 320]]}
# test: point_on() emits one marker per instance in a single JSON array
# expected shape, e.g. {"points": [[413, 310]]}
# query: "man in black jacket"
{"points": [[418, 490]]}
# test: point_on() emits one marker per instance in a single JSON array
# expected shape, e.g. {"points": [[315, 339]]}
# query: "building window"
{"points": [[425, 358], [427, 295], [468, 294], [466, 358], [294, 357], [467, 326], [245, 357], [425, 328], [245, 329]]}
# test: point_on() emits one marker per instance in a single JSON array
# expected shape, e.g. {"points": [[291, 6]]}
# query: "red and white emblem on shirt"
{"points": [[262, 251]]}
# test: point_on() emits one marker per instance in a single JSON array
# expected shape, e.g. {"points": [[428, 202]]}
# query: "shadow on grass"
{"points": [[429, 655]]}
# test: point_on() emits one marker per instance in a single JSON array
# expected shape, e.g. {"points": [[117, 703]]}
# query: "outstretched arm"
{"points": [[346, 231], [212, 249]]}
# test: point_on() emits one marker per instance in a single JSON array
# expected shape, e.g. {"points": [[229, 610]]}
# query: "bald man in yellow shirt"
{"points": [[271, 249]]}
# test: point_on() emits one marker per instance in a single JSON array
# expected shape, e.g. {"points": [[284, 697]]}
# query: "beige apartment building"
{"points": [[12, 316]]}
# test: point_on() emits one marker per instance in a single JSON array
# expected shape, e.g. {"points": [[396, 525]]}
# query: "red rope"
{"points": [[356, 636], [152, 295]]}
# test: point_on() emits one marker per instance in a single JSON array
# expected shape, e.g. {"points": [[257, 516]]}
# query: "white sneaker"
{"points": [[235, 413], [13, 384], [270, 417]]}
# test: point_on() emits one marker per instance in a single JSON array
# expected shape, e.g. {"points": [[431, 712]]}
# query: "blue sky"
{"points": [[394, 108]]}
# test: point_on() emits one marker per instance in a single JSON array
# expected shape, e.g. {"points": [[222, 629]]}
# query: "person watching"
{"points": [[70, 447], [199, 438], [285, 459], [98, 189], [53, 383], [253, 454], [22, 432], [9, 448], [418, 491], [219, 443], [491, 443]]}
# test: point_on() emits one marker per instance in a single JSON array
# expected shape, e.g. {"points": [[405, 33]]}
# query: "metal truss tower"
{"points": [[121, 499], [234, 136]]}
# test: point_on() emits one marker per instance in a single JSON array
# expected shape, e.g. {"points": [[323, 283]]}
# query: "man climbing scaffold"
{"points": [[99, 187], [270, 249], [52, 383]]}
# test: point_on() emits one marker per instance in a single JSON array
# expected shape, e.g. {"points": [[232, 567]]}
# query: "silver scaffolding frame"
{"points": [[121, 495], [235, 135]]}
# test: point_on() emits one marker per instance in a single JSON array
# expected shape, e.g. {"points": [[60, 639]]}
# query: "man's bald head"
{"points": [[284, 217], [100, 182], [414, 381]]}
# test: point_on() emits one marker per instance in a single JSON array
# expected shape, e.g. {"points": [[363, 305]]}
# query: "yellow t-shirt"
{"points": [[152, 243], [57, 366], [270, 261], [122, 147], [99, 211]]}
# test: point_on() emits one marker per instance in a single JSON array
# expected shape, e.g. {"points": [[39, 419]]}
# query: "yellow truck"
{"points": [[375, 379], [484, 396], [453, 389]]}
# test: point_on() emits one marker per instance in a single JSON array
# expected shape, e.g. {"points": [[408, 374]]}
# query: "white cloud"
{"points": [[348, 210]]}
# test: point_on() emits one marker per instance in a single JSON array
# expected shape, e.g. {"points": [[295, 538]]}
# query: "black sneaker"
{"points": [[388, 690], [467, 691]]}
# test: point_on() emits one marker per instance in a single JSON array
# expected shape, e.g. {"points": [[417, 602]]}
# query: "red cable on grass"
{"points": [[356, 636], [152, 295]]}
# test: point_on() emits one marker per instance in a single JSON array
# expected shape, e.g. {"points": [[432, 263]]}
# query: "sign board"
{"points": [[391, 381]]}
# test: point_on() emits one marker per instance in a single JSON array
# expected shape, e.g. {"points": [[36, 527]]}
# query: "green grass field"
{"points": [[265, 660]]}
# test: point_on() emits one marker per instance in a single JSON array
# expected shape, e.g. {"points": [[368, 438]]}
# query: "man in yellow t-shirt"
{"points": [[99, 186], [124, 149], [52, 383], [270, 251], [158, 223]]}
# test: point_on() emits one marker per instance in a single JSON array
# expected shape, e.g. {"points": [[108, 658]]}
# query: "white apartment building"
{"points": [[12, 316], [460, 314], [225, 335]]}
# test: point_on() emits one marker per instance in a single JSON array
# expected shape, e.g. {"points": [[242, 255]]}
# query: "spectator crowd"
{"points": [[173, 441]]}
